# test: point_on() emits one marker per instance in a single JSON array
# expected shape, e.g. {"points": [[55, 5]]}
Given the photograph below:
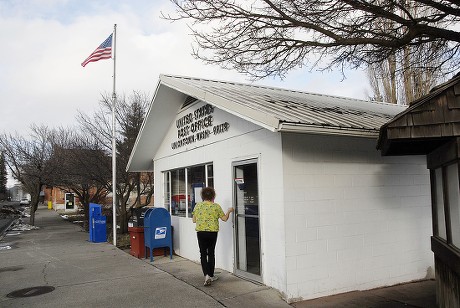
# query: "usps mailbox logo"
{"points": [[160, 233]]}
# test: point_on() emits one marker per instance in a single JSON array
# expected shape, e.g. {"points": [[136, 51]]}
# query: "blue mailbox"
{"points": [[97, 224], [157, 230]]}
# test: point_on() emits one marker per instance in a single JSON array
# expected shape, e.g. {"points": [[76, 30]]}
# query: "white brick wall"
{"points": [[244, 140], [334, 215], [359, 220]]}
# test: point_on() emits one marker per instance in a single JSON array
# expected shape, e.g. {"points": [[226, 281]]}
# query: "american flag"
{"points": [[104, 51]]}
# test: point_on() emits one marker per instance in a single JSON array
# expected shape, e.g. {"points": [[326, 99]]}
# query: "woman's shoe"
{"points": [[207, 280]]}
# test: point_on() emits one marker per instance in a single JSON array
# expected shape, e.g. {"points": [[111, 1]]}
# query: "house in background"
{"points": [[17, 193], [431, 127], [60, 199], [318, 210]]}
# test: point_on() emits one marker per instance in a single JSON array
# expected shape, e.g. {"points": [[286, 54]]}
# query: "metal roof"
{"points": [[278, 110], [288, 110]]}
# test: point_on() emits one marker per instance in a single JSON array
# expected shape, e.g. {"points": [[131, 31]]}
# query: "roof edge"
{"points": [[324, 130], [249, 114]]}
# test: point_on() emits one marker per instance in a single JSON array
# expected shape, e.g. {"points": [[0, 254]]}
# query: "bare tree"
{"points": [[382, 78], [398, 79], [83, 167], [266, 37], [397, 87], [130, 114], [28, 160]]}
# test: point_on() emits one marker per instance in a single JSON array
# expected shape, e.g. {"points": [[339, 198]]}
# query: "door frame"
{"points": [[236, 271]]}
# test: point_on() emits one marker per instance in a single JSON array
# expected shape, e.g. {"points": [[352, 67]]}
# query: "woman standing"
{"points": [[206, 216]]}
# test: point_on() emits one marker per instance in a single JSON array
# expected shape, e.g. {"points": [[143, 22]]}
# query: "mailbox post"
{"points": [[157, 230]]}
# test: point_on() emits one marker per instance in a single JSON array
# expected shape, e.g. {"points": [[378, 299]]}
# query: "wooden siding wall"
{"points": [[447, 286], [439, 117]]}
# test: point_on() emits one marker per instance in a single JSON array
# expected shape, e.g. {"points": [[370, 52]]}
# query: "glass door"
{"points": [[247, 228]]}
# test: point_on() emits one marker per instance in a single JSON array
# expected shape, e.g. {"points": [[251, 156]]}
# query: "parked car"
{"points": [[24, 201]]}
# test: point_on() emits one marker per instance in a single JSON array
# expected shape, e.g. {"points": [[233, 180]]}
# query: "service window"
{"points": [[182, 188]]}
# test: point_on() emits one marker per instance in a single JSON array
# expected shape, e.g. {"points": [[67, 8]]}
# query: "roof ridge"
{"points": [[279, 89]]}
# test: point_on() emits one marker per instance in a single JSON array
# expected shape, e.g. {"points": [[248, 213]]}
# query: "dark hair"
{"points": [[208, 194]]}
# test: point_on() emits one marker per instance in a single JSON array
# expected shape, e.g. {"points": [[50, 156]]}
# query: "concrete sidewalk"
{"points": [[59, 260], [417, 294]]}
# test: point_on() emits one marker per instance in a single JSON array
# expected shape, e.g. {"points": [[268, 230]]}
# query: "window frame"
{"points": [[443, 158], [168, 174], [437, 180]]}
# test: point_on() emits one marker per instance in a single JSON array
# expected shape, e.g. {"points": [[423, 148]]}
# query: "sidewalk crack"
{"points": [[44, 272]]}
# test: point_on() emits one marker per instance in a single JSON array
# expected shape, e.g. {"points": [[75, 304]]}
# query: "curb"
{"points": [[5, 229]]}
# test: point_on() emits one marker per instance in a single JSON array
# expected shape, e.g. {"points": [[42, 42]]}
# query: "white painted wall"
{"points": [[243, 141], [335, 215], [354, 220]]}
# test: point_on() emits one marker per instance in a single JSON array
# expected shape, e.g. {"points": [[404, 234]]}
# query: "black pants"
{"points": [[207, 243]]}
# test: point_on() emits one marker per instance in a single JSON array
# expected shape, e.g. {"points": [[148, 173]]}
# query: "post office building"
{"points": [[318, 210]]}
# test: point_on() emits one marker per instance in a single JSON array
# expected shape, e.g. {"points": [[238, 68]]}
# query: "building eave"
{"points": [[327, 130]]}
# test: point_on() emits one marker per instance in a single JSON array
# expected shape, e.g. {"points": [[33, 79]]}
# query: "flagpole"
{"points": [[114, 151]]}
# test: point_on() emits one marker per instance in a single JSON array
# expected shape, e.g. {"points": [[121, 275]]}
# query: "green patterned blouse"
{"points": [[207, 216]]}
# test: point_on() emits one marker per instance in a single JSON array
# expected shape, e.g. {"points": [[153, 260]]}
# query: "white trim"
{"points": [[323, 130]]}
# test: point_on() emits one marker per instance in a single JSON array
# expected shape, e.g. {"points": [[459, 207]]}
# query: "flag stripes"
{"points": [[104, 51]]}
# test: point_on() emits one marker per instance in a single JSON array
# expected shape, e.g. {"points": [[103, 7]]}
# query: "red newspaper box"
{"points": [[136, 239]]}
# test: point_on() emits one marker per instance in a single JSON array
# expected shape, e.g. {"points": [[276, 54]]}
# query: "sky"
{"points": [[44, 43]]}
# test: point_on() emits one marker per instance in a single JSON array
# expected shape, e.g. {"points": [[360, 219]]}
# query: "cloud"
{"points": [[42, 81]]}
